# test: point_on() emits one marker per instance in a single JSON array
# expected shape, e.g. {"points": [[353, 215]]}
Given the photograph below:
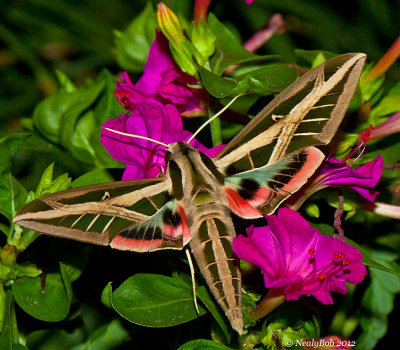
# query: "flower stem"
{"points": [[272, 300], [385, 62]]}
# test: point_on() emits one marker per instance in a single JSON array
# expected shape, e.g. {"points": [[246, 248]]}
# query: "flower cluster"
{"points": [[297, 260], [337, 173], [145, 159], [156, 103], [163, 82]]}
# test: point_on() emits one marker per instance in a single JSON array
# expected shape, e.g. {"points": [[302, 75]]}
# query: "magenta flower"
{"points": [[248, 2], [297, 260], [163, 81], [145, 159], [336, 173]]}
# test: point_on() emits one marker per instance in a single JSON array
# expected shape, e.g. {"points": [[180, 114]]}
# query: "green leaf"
{"points": [[52, 305], [65, 82], [65, 274], [8, 145], [263, 81], [371, 90], [377, 303], [74, 267], [369, 261], [52, 338], [312, 57], [312, 210], [268, 80], [105, 338], [347, 141], [80, 146], [374, 328], [217, 86], [203, 293], [65, 119], [12, 193], [107, 105], [45, 181], [7, 336], [203, 344], [96, 176], [77, 123], [155, 301], [132, 45], [106, 295], [3, 306], [228, 50], [388, 105]]}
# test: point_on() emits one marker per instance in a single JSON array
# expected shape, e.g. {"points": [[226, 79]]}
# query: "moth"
{"points": [[271, 158]]}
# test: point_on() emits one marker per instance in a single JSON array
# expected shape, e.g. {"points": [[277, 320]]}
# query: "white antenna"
{"points": [[137, 137], [212, 118]]}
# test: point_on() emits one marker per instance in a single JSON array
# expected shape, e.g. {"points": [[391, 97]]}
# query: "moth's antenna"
{"points": [[193, 279], [137, 136], [213, 117]]}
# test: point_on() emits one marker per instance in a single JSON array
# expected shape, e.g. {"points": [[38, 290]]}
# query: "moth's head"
{"points": [[180, 147], [179, 152]]}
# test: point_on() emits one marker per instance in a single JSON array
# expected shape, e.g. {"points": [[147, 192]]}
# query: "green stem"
{"points": [[216, 132], [13, 323], [2, 306], [272, 300]]}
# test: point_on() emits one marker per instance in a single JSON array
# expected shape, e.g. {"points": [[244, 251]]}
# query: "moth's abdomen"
{"points": [[212, 249]]}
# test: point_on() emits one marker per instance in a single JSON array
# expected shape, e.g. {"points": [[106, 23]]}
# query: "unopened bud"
{"points": [[181, 48], [8, 255], [203, 40], [170, 25]]}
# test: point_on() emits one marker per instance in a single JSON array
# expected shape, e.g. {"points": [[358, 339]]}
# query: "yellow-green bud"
{"points": [[181, 48], [203, 39], [8, 255], [170, 25]]}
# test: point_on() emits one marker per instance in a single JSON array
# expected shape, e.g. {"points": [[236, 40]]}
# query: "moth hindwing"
{"points": [[272, 157]]}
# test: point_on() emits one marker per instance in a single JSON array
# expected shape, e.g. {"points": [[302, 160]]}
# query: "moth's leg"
{"points": [[193, 279]]}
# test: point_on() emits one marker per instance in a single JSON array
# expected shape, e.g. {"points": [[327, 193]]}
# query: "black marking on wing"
{"points": [[248, 188], [142, 233], [287, 173], [172, 219]]}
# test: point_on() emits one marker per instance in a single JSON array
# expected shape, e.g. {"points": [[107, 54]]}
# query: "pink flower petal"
{"points": [[297, 259]]}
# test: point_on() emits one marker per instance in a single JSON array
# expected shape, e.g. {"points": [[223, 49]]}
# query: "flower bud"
{"points": [[203, 40], [181, 48], [170, 25], [8, 255], [5, 273]]}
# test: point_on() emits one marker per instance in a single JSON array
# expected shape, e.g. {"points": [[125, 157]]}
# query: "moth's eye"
{"points": [[167, 157]]}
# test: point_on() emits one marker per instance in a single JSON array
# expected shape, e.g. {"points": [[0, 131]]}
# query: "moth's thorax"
{"points": [[193, 175]]}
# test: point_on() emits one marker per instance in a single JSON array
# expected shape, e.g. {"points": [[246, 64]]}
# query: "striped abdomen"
{"points": [[199, 187], [212, 249]]}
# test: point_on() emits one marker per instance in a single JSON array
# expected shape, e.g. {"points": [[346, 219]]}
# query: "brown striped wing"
{"points": [[271, 157], [307, 113], [261, 190], [129, 215]]}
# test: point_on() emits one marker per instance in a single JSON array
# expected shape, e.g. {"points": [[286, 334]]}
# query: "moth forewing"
{"points": [[307, 113], [267, 161], [97, 213]]}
